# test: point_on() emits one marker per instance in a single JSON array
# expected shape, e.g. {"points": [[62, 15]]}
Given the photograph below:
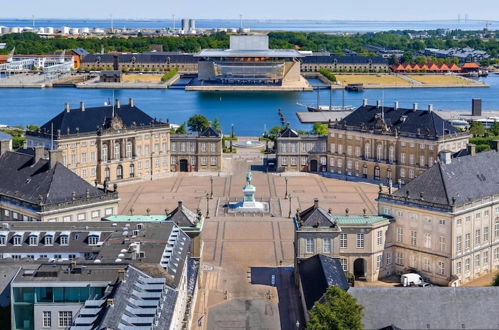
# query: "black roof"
{"points": [[288, 132], [343, 59], [406, 121], [209, 132], [90, 119], [80, 52], [464, 180], [35, 182], [158, 58], [317, 274], [315, 216]]}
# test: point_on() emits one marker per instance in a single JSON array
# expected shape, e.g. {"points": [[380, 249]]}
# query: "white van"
{"points": [[413, 279]]}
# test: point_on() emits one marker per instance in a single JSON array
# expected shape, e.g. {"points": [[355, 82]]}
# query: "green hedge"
{"points": [[167, 76], [328, 74]]}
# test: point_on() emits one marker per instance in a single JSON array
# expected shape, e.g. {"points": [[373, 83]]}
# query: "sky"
{"points": [[374, 10]]}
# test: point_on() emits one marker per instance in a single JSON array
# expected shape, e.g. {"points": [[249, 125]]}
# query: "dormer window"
{"points": [[93, 239], [64, 239], [17, 239], [33, 240], [49, 239], [3, 239]]}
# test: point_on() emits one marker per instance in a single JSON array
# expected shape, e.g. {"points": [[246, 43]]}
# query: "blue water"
{"points": [[268, 25], [250, 113]]}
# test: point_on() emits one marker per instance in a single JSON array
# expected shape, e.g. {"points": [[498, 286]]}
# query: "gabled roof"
{"points": [[209, 132], [317, 274], [470, 65], [90, 119], [405, 121], [315, 216], [183, 217], [288, 132], [35, 182], [80, 52], [464, 180]]}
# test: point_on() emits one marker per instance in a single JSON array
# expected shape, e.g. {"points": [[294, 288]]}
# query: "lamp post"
{"points": [[297, 324], [286, 193], [289, 215], [211, 187], [207, 206]]}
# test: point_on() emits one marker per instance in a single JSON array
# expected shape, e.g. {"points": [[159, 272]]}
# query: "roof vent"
{"points": [[82, 106], [430, 107], [66, 107], [415, 106], [396, 105], [364, 102]]}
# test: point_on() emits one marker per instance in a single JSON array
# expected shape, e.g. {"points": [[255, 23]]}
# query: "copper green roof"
{"points": [[358, 219]]}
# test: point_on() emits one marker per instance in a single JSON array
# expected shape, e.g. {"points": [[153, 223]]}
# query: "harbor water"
{"points": [[250, 112]]}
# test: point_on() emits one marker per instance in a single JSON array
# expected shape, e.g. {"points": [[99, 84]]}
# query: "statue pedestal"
{"points": [[249, 204]]}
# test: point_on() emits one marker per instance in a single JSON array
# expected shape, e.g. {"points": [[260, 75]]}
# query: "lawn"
{"points": [[144, 78], [437, 79], [372, 79]]}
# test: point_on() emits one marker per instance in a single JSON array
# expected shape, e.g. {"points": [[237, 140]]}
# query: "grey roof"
{"points": [[314, 59], [210, 132], [248, 53], [5, 136], [94, 118], [429, 308], [287, 132], [35, 182], [421, 123], [318, 273], [315, 216], [150, 57], [465, 179], [80, 52], [183, 217]]}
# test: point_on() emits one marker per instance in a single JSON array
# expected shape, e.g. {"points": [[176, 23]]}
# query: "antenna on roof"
{"points": [[52, 136], [112, 114]]}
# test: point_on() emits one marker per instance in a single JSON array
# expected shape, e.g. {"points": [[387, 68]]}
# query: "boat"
{"points": [[355, 87], [325, 108]]}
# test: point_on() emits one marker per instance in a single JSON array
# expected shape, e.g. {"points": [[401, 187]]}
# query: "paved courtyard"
{"points": [[237, 248]]}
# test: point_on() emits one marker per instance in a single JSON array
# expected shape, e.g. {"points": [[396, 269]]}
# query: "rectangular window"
{"points": [[3, 240], [485, 258], [214, 147], [467, 241], [17, 240], [49, 239], [343, 241], [47, 319], [443, 244], [477, 260], [95, 214], [310, 245], [213, 161], [203, 161], [458, 267], [65, 319], [66, 218], [485, 234], [203, 147], [82, 216], [400, 234], [413, 238], [426, 265], [93, 240], [344, 264], [427, 240], [108, 211], [326, 247], [378, 261], [459, 244], [496, 254], [399, 259], [379, 237], [33, 240], [477, 237], [388, 258], [63, 239], [441, 268], [360, 241], [467, 265]]}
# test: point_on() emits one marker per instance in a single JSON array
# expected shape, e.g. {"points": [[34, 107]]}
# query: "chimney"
{"points": [[471, 149], [39, 151], [130, 102], [396, 105], [179, 204], [364, 102], [121, 275], [378, 103], [415, 106], [476, 107], [66, 107], [117, 103], [82, 106], [54, 157], [316, 203], [430, 107], [445, 157], [5, 145]]}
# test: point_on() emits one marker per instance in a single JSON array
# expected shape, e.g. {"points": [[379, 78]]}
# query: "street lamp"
{"points": [[207, 206], [286, 194], [297, 324], [211, 187], [289, 215]]}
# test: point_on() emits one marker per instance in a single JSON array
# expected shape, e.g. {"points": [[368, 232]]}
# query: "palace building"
{"points": [[374, 142]]}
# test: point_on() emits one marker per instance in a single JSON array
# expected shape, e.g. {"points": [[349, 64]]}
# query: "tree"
{"points": [[338, 311], [495, 129], [495, 280], [216, 124], [181, 129], [197, 123], [477, 129], [320, 129]]}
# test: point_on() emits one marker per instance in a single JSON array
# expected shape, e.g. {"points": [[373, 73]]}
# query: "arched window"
{"points": [[367, 151], [107, 174], [119, 172], [379, 152], [129, 150], [391, 154], [104, 153], [132, 170], [116, 151]]}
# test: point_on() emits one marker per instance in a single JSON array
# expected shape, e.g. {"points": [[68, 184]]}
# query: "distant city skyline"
{"points": [[384, 10]]}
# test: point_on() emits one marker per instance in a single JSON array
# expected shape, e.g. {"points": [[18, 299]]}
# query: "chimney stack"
{"points": [[316, 203], [39, 151], [445, 157], [471, 149], [121, 275], [179, 204], [82, 106], [430, 107], [54, 157], [66, 107], [5, 145], [364, 102], [415, 106], [117, 103], [130, 102], [396, 105]]}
